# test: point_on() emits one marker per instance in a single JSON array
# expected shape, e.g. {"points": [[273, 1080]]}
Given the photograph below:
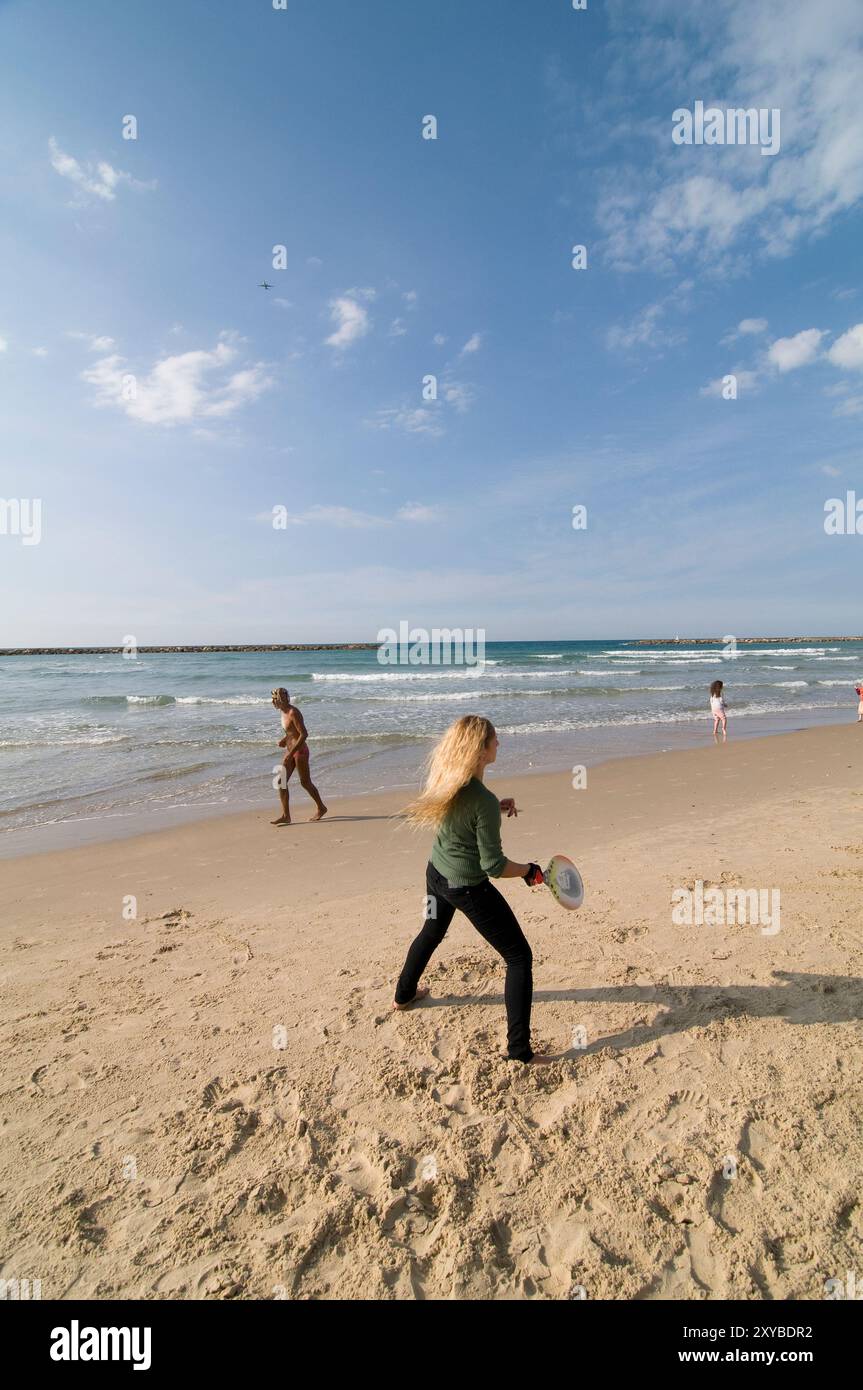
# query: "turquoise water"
{"points": [[116, 744]]}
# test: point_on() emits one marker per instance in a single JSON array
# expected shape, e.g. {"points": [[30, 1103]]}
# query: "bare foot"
{"points": [[283, 820], [421, 993], [321, 813]]}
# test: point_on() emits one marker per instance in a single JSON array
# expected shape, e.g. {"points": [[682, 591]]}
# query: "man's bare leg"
{"points": [[284, 797], [309, 786]]}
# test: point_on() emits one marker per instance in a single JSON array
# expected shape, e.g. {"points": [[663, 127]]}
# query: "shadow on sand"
{"points": [[802, 999]]}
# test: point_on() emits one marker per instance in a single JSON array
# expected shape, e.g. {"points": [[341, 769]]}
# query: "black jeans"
{"points": [[488, 911]]}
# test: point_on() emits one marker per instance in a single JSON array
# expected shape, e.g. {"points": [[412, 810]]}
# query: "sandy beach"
{"points": [[213, 1098]]}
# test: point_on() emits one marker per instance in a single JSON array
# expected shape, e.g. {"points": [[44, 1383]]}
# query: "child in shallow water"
{"points": [[718, 710]]}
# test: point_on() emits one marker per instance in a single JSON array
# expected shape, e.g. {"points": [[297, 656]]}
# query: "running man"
{"points": [[296, 744]]}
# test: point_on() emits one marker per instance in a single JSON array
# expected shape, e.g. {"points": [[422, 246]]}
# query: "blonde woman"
{"points": [[466, 851]]}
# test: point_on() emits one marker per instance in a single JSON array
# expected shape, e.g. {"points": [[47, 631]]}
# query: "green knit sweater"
{"points": [[467, 849]]}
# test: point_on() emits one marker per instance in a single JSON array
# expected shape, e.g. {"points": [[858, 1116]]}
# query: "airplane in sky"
{"points": [[264, 286]]}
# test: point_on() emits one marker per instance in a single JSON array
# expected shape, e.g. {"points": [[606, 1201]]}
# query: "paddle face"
{"points": [[564, 880]]}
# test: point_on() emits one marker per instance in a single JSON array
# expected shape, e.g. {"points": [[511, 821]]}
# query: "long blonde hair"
{"points": [[450, 766]]}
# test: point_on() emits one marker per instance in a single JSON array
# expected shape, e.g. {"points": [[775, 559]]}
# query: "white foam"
{"points": [[426, 673], [222, 700]]}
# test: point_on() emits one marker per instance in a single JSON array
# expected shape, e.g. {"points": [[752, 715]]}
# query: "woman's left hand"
{"points": [[508, 806]]}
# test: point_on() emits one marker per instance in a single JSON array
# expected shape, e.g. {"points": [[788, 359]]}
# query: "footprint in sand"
{"points": [[455, 1098], [56, 1077], [360, 1174], [673, 1119], [444, 1048]]}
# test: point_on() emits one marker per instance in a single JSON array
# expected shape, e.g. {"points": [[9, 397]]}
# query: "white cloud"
{"points": [[847, 351], [180, 389], [457, 394], [746, 381], [745, 328], [351, 320], [645, 330], [397, 328], [4, 344], [724, 205], [413, 420], [314, 261], [344, 518], [95, 342], [40, 352], [852, 405], [99, 180], [830, 470], [351, 519], [410, 298], [787, 354], [439, 339], [416, 511], [473, 344]]}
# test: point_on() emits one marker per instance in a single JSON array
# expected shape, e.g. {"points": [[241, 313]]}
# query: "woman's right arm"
{"points": [[513, 870], [491, 856]]}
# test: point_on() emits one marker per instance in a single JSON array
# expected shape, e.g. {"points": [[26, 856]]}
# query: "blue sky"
{"points": [[408, 258]]}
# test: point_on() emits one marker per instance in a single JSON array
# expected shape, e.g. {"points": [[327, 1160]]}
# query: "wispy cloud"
{"points": [[649, 328], [726, 206], [411, 419], [417, 511], [351, 321], [458, 394], [746, 381], [473, 344], [96, 342], [745, 328], [93, 180], [180, 389], [352, 519]]}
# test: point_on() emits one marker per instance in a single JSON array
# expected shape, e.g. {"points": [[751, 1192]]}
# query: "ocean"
{"points": [[97, 746]]}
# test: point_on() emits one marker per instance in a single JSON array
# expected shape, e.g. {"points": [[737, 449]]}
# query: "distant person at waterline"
{"points": [[467, 849], [296, 743], [718, 710], [858, 691]]}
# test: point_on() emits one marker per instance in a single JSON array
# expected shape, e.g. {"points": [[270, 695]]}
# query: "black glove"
{"points": [[533, 875]]}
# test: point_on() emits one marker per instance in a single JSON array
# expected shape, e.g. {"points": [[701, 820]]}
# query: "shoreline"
{"points": [[386, 803], [74, 832]]}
